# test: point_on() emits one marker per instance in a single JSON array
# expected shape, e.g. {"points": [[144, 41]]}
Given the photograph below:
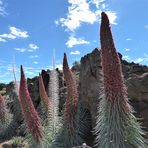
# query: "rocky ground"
{"points": [[89, 77]]}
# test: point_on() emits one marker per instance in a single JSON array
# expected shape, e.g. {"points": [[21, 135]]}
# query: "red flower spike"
{"points": [[111, 65], [31, 117], [43, 93], [116, 126], [72, 93]]}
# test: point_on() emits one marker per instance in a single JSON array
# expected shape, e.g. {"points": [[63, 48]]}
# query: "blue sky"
{"points": [[31, 30]]}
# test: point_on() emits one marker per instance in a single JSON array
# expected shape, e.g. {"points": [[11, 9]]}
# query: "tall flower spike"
{"points": [[72, 93], [16, 83], [43, 94], [31, 117], [111, 65], [54, 98], [3, 111], [71, 106], [116, 125]]}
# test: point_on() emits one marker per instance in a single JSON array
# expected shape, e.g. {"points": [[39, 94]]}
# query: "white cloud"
{"points": [[35, 62], [59, 66], [94, 41], [18, 32], [146, 26], [21, 49], [2, 9], [29, 73], [128, 39], [56, 22], [33, 46], [80, 12], [34, 56], [31, 50], [112, 17], [8, 36], [143, 59], [13, 34], [139, 60], [75, 41], [127, 49], [32, 71], [126, 57], [75, 52], [145, 55], [97, 2], [2, 40], [83, 12]]}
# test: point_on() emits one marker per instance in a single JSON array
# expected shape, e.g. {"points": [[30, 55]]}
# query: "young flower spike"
{"points": [[69, 135], [72, 93], [116, 125], [43, 93], [31, 117]]}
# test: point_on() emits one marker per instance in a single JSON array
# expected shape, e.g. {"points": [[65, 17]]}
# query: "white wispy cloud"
{"points": [[34, 56], [112, 17], [2, 40], [20, 49], [7, 75], [146, 26], [75, 41], [59, 66], [56, 22], [80, 12], [83, 12], [142, 59], [129, 39], [126, 57], [127, 49], [18, 32], [139, 60], [30, 48], [33, 46], [75, 52], [30, 73], [13, 34], [98, 3], [146, 55], [35, 62], [94, 41], [2, 8]]}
